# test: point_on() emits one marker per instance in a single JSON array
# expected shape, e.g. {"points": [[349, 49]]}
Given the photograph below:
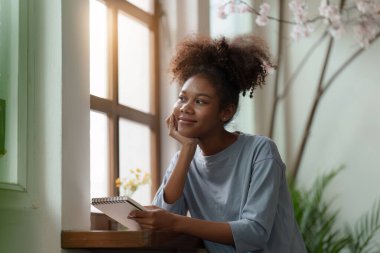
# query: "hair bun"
{"points": [[222, 50], [241, 63]]}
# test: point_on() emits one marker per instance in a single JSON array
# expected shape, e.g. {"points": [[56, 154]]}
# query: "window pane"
{"points": [[9, 69], [13, 76], [135, 153], [99, 149], [98, 49], [145, 5], [134, 64]]}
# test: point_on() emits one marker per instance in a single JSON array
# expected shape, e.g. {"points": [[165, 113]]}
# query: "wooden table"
{"points": [[130, 241]]}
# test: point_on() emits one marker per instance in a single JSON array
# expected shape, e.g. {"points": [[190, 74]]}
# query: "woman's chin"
{"points": [[187, 134]]}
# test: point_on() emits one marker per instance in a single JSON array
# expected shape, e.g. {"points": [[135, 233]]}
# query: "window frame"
{"points": [[113, 109], [23, 90]]}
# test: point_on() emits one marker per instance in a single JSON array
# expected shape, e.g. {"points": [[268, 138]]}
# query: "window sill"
{"points": [[99, 240]]}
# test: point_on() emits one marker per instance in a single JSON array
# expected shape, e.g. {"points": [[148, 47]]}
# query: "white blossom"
{"points": [[222, 12], [368, 6], [366, 31], [364, 18], [337, 32], [299, 10], [262, 18], [301, 31], [364, 5]]}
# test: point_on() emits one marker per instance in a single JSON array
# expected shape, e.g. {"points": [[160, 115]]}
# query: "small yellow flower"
{"points": [[118, 182], [135, 178]]}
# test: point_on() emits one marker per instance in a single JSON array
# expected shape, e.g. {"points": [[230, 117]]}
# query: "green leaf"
{"points": [[365, 231], [316, 220]]}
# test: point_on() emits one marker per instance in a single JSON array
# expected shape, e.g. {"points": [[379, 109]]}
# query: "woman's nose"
{"points": [[186, 108]]}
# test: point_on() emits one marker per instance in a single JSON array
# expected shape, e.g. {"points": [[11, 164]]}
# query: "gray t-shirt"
{"points": [[244, 185]]}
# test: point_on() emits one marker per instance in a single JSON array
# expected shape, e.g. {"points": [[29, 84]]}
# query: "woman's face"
{"points": [[197, 109]]}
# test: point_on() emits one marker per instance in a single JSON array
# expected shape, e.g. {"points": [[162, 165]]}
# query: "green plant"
{"points": [[318, 222], [364, 232]]}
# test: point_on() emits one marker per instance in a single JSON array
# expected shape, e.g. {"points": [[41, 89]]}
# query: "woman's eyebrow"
{"points": [[204, 95]]}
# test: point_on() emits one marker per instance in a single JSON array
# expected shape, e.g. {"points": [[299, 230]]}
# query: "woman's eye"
{"points": [[200, 102], [180, 98]]}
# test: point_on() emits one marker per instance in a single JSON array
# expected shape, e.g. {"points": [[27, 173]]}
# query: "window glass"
{"points": [[145, 5], [98, 49], [11, 86], [99, 149], [134, 63], [135, 149]]}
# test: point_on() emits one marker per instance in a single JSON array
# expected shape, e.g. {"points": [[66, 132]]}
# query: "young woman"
{"points": [[232, 184]]}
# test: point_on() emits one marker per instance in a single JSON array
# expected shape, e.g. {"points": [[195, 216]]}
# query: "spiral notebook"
{"points": [[118, 208]]}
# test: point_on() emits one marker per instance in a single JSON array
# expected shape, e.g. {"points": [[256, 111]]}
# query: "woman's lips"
{"points": [[186, 121]]}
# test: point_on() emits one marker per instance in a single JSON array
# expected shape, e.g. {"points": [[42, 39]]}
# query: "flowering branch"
{"points": [[362, 15]]}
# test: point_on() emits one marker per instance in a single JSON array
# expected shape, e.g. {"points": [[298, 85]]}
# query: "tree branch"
{"points": [[317, 99], [310, 119], [347, 63], [277, 78], [289, 83]]}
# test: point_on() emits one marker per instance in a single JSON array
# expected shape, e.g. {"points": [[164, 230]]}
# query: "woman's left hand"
{"points": [[154, 218]]}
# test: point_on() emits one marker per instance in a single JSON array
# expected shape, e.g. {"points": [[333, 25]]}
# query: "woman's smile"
{"points": [[186, 121], [197, 109]]}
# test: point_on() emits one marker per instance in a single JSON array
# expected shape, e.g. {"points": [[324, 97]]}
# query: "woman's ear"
{"points": [[228, 112]]}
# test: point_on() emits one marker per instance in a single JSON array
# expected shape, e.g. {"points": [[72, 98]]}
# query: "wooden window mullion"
{"points": [[111, 106], [155, 136]]}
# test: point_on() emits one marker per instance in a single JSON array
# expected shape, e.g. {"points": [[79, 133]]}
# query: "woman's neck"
{"points": [[217, 142]]}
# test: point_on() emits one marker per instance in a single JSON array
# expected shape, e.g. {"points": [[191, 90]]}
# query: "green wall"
{"points": [[30, 218]]}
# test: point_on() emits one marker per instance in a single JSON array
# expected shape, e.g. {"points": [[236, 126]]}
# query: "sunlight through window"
{"points": [[145, 5], [99, 149], [134, 63], [98, 49]]}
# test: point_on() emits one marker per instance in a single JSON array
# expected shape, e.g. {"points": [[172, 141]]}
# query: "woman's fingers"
{"points": [[157, 219], [152, 207], [168, 120], [172, 126]]}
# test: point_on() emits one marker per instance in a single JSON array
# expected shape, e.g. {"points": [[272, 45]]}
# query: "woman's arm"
{"points": [[219, 232], [160, 219], [174, 187]]}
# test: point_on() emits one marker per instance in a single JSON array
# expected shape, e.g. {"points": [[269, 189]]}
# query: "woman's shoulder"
{"points": [[262, 146], [256, 139]]}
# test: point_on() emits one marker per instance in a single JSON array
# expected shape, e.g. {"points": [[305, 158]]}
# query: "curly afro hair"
{"points": [[234, 66]]}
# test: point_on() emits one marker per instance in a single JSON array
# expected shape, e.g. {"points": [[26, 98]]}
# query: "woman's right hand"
{"points": [[174, 187], [171, 122]]}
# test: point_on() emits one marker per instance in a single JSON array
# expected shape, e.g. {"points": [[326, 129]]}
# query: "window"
{"points": [[124, 130], [14, 90]]}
